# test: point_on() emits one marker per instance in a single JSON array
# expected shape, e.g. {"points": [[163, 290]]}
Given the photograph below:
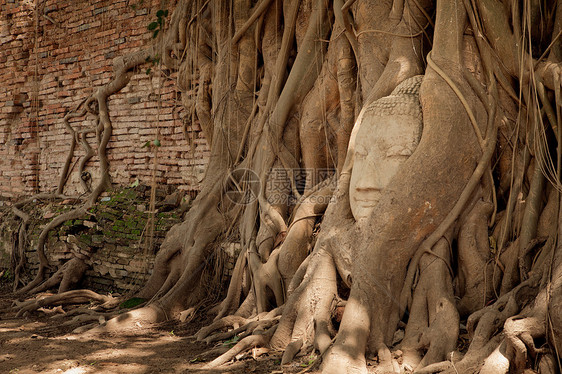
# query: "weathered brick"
{"points": [[100, 10], [68, 60]]}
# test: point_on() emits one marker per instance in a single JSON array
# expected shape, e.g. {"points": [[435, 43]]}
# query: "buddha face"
{"points": [[382, 145]]}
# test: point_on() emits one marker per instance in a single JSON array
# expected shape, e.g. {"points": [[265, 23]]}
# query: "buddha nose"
{"points": [[369, 181], [370, 178]]}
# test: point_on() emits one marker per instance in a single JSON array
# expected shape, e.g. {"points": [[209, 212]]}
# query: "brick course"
{"points": [[76, 44]]}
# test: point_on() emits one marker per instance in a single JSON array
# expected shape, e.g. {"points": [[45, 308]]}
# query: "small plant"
{"points": [[311, 360], [5, 275], [138, 5], [131, 303], [231, 342], [158, 25], [154, 142], [154, 60]]}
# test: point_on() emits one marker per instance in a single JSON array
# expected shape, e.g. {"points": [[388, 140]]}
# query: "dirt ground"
{"points": [[36, 344]]}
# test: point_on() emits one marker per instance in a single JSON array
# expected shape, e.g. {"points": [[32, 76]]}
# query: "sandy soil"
{"points": [[39, 344]]}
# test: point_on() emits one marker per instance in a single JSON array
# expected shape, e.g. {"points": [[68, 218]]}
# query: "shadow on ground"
{"points": [[36, 344]]}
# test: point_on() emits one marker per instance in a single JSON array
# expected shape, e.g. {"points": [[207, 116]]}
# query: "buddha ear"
{"points": [[360, 150]]}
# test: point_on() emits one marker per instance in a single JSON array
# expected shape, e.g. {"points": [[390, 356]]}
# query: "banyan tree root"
{"points": [[69, 297], [80, 315], [40, 248], [79, 320], [227, 322], [307, 320], [18, 248], [21, 240], [483, 326], [67, 276], [522, 330], [259, 338], [237, 325], [433, 325], [304, 321], [475, 281], [243, 331]]}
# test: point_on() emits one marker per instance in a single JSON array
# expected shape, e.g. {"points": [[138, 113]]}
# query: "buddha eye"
{"points": [[397, 150]]}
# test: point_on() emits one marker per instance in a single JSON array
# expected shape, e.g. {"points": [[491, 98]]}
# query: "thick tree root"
{"points": [[227, 322], [243, 331], [261, 339], [520, 332], [69, 297], [485, 322], [66, 276], [132, 320], [308, 310], [82, 312], [474, 273], [433, 323]]}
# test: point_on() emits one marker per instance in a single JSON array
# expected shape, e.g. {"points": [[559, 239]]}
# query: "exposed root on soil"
{"points": [[259, 338], [67, 276], [68, 297]]}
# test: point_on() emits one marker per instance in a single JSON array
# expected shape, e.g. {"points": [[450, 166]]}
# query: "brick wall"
{"points": [[112, 240], [53, 57]]}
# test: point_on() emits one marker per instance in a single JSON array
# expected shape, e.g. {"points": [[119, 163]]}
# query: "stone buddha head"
{"points": [[389, 132]]}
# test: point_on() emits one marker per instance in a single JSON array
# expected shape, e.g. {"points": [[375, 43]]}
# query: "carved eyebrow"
{"points": [[398, 150]]}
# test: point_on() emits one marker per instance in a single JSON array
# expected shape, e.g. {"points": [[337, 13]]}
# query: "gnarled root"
{"points": [[520, 332], [69, 297], [43, 261], [266, 276], [226, 322], [243, 331], [297, 244], [482, 325], [485, 322], [433, 322], [260, 338], [133, 319], [309, 308], [66, 276], [517, 345], [474, 273], [306, 317]]}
